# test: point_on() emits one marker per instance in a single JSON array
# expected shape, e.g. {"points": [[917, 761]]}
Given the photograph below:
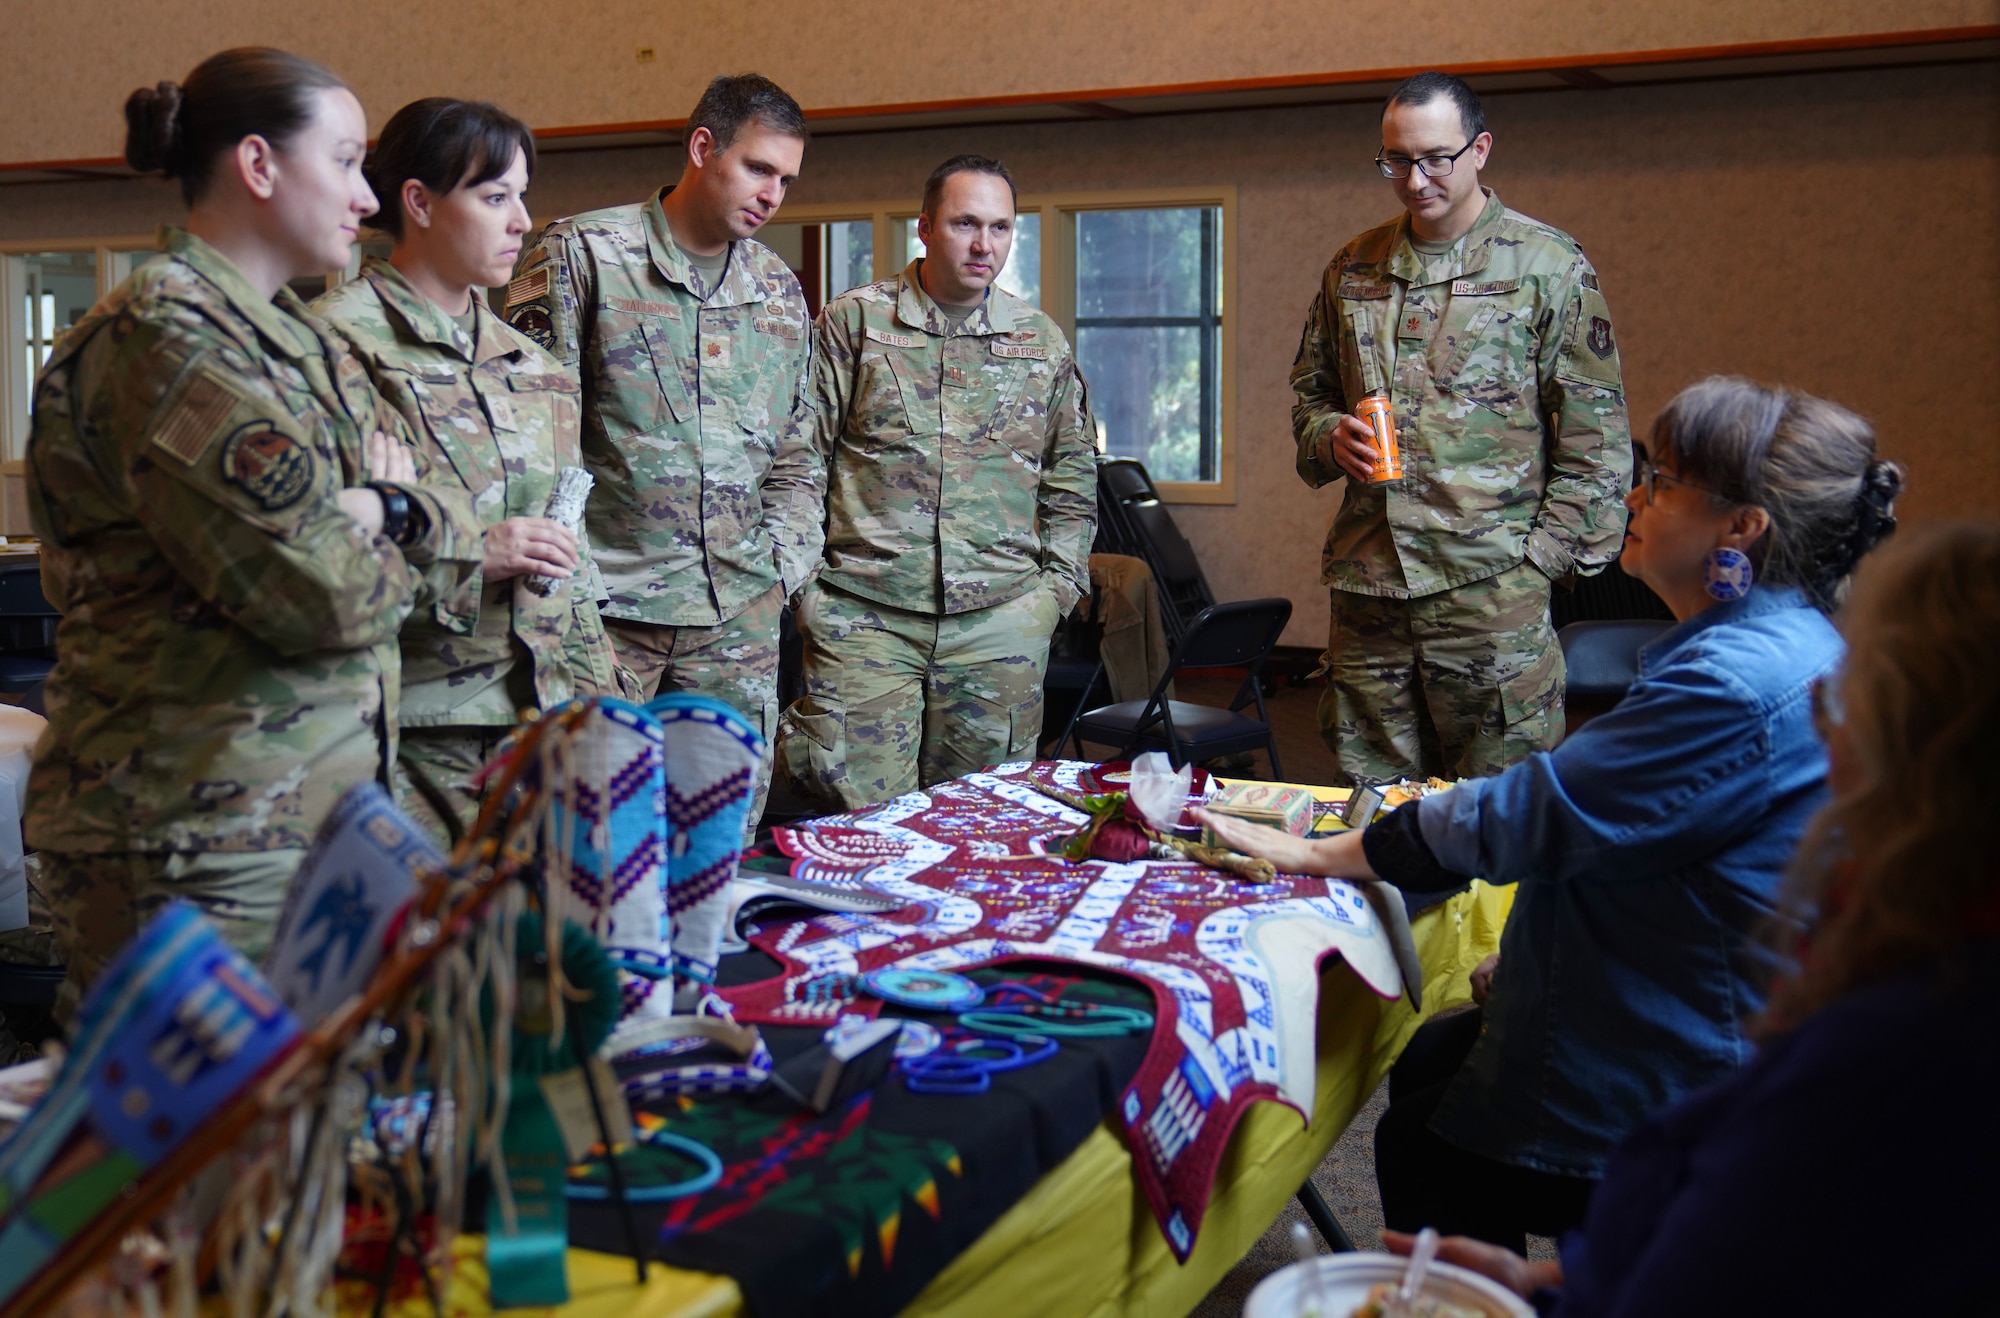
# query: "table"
{"points": [[1083, 1241]]}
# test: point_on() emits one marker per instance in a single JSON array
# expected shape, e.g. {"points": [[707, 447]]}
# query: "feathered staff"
{"points": [[280, 1225]]}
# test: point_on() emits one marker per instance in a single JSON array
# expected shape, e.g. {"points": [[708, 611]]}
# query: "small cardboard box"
{"points": [[1280, 805]]}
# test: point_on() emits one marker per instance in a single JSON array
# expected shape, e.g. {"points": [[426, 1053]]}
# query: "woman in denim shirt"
{"points": [[1649, 847]]}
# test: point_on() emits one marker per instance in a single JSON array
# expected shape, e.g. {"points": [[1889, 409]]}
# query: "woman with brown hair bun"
{"points": [[492, 412], [1874, 1090], [225, 527]]}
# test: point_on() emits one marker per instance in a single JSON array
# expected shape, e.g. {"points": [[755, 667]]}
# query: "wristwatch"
{"points": [[402, 520]]}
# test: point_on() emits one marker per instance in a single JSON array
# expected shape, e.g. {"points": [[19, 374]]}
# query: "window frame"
{"points": [[1058, 281], [17, 384]]}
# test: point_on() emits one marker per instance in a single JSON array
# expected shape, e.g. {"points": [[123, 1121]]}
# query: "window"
{"points": [[1140, 281], [829, 257], [55, 289], [1148, 335], [45, 288]]}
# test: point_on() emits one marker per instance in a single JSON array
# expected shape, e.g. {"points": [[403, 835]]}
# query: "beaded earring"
{"points": [[1728, 575]]}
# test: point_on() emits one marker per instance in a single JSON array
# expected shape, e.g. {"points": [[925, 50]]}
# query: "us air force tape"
{"points": [[925, 990]]}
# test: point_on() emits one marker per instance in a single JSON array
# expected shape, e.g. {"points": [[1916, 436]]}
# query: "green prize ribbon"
{"points": [[527, 1268]]}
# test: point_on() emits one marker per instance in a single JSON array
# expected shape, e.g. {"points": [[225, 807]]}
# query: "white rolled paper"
{"points": [[565, 506]]}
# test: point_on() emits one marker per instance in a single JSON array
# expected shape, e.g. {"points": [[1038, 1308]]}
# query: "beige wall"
{"points": [[1831, 231], [574, 63]]}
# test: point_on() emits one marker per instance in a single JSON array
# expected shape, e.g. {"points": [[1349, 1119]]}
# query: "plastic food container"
{"points": [[1345, 1280]]}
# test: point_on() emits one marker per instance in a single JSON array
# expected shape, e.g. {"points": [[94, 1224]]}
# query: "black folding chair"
{"points": [[1076, 670], [1133, 521], [1610, 596], [1239, 635], [1602, 662], [1602, 658]]}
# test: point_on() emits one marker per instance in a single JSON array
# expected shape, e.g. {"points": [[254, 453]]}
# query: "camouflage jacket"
{"points": [[226, 664], [961, 466], [496, 413], [698, 508], [1510, 412]]}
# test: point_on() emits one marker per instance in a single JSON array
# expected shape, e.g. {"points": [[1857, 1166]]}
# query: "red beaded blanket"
{"points": [[1231, 964]]}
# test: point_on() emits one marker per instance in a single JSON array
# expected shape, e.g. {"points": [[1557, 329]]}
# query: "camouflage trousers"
{"points": [[99, 901], [594, 664], [449, 758], [897, 700], [735, 661], [1458, 684]]}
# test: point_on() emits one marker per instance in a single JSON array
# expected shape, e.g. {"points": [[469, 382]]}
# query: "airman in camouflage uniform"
{"points": [[962, 496], [226, 663], [494, 411], [1497, 356], [703, 520]]}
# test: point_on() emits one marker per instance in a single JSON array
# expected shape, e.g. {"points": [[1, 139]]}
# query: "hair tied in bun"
{"points": [[1879, 488], [153, 128]]}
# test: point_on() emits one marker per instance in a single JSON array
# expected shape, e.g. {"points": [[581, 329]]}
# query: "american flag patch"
{"points": [[199, 417], [528, 287]]}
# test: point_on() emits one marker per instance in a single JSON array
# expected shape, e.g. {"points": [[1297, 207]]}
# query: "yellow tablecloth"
{"points": [[1083, 1241]]}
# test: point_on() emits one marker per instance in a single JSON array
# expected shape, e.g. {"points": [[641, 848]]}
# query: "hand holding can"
{"points": [[1381, 418]]}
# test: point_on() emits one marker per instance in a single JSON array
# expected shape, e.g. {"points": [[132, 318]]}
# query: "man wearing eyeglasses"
{"points": [[1488, 334]]}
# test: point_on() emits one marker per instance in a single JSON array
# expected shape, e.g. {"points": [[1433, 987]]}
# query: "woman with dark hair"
{"points": [[1880, 1049], [1648, 847], [227, 531], [497, 414]]}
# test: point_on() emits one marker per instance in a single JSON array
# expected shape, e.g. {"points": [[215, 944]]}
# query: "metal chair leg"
{"points": [[1322, 1217]]}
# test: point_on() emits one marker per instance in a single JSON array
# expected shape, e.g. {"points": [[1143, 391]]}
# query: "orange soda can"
{"points": [[1375, 410]]}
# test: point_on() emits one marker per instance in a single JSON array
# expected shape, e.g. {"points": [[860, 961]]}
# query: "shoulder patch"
{"points": [[528, 287], [533, 321], [1599, 338], [633, 306], [268, 465], [1589, 279], [1036, 351], [204, 408], [893, 340]]}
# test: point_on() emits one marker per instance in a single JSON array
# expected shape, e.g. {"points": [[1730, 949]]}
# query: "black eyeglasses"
{"points": [[1650, 476], [1433, 166]]}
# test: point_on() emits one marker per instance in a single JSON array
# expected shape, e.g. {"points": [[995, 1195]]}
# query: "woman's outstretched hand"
{"points": [[1335, 857], [1517, 1274]]}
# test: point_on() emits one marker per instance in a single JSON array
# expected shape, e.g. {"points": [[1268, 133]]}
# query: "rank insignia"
{"points": [[1600, 337], [533, 320], [715, 352], [268, 465]]}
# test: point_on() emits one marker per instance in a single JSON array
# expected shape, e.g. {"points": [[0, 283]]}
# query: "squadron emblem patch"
{"points": [[1600, 337], [267, 465], [533, 321]]}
